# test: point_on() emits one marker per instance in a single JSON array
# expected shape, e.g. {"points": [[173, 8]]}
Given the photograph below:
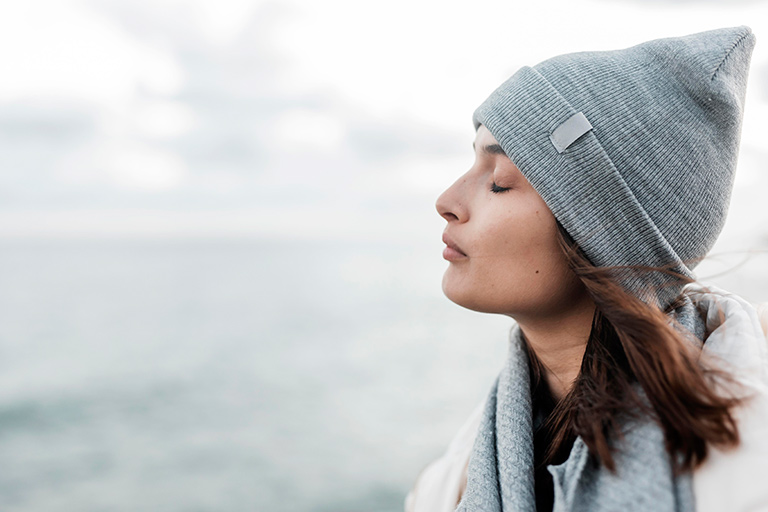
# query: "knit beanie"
{"points": [[633, 150]]}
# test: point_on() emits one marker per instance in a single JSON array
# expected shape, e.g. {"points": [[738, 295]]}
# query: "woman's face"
{"points": [[501, 241]]}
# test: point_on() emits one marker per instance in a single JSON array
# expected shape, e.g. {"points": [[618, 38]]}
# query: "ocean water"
{"points": [[209, 375], [236, 374]]}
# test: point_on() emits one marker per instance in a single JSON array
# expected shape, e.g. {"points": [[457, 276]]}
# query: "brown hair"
{"points": [[637, 363]]}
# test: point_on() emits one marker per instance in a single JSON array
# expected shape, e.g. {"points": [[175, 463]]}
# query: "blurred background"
{"points": [[219, 257]]}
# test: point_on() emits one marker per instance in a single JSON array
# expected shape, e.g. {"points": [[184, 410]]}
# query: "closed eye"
{"points": [[497, 189]]}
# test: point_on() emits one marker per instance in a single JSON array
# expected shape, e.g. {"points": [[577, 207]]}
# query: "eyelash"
{"points": [[497, 189]]}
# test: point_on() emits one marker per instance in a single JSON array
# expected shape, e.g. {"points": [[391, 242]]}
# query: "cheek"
{"points": [[531, 260], [518, 268], [524, 242]]}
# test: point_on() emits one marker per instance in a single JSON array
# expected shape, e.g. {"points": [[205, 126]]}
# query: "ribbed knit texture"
{"points": [[650, 183]]}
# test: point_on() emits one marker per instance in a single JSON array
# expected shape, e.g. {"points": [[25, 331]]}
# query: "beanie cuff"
{"points": [[581, 185]]}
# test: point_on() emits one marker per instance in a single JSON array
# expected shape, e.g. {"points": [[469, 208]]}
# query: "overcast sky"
{"points": [[311, 118]]}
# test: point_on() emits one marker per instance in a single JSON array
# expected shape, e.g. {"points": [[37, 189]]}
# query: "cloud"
{"points": [[399, 140], [51, 122], [60, 49], [276, 107], [35, 136]]}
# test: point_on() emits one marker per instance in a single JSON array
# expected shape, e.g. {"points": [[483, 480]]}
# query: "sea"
{"points": [[242, 374], [229, 374]]}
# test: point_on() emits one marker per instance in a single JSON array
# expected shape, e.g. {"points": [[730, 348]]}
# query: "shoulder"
{"points": [[734, 479], [439, 486], [735, 339]]}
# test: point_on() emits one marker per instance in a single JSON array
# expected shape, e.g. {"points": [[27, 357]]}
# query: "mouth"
{"points": [[452, 252]]}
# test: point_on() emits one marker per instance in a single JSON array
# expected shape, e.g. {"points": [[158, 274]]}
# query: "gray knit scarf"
{"points": [[501, 473]]}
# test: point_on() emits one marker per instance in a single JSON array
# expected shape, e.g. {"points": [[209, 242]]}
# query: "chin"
{"points": [[454, 293], [469, 298]]}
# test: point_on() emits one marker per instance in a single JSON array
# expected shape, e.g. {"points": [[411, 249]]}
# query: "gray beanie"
{"points": [[633, 150]]}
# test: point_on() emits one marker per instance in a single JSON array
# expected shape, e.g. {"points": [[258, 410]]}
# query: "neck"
{"points": [[559, 342]]}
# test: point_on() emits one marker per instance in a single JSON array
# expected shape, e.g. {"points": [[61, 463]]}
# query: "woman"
{"points": [[600, 180]]}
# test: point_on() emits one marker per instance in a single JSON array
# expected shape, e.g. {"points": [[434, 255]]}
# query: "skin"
{"points": [[504, 258]]}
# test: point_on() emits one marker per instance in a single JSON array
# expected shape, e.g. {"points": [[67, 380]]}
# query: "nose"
{"points": [[450, 205]]}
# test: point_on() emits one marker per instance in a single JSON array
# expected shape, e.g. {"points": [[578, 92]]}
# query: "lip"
{"points": [[452, 252]]}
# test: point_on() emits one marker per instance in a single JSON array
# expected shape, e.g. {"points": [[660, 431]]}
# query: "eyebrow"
{"points": [[492, 149]]}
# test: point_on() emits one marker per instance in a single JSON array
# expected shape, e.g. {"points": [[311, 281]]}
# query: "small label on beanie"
{"points": [[567, 133]]}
